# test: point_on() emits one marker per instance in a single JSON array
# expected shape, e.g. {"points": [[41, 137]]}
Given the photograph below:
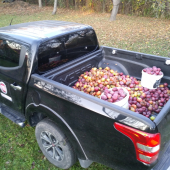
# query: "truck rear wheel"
{"points": [[54, 144]]}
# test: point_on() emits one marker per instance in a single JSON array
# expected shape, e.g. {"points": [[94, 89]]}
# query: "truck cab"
{"points": [[36, 48]]}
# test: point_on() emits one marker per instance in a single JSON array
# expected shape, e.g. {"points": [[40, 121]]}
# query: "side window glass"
{"points": [[50, 55], [9, 53]]}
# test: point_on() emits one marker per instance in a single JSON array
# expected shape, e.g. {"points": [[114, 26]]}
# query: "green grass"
{"points": [[19, 150], [18, 147]]}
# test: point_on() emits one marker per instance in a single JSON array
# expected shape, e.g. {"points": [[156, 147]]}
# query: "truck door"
{"points": [[13, 72]]}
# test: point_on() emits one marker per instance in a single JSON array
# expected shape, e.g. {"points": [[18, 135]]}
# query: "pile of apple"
{"points": [[153, 71], [142, 100], [113, 95]]}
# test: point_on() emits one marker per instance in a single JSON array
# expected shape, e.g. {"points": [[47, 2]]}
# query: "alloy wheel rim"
{"points": [[52, 146]]}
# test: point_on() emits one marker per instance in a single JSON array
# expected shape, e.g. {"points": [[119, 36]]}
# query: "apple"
{"points": [[107, 68], [139, 99], [98, 93], [140, 88], [96, 89], [103, 79], [132, 109], [136, 82], [85, 76], [77, 84]]}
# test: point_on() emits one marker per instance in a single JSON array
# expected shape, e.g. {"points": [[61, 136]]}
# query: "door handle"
{"points": [[15, 87]]}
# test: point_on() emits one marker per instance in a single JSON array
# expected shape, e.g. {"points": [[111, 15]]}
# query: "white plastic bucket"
{"points": [[150, 81], [124, 102]]}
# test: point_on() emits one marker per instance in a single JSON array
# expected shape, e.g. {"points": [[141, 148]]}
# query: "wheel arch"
{"points": [[35, 113]]}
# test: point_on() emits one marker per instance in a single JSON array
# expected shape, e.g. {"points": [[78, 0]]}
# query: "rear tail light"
{"points": [[147, 145]]}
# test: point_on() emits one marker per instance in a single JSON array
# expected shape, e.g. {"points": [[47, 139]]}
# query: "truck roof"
{"points": [[41, 30]]}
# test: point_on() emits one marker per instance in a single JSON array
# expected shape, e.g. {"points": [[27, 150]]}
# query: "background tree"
{"points": [[55, 7], [151, 8], [76, 4], [40, 3], [115, 9]]}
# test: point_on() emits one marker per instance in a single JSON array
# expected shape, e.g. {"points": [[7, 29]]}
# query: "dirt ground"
{"points": [[20, 7]]}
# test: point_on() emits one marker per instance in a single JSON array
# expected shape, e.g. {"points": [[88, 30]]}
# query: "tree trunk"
{"points": [[55, 7], [67, 3], [115, 9], [167, 9], [40, 3], [103, 5], [75, 1]]}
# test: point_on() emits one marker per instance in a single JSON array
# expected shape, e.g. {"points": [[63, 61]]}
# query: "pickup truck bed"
{"points": [[93, 117]]}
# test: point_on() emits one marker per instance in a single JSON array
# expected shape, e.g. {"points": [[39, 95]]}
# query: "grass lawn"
{"points": [[18, 147], [20, 151]]}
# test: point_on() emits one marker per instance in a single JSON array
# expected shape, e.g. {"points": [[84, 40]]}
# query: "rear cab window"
{"points": [[50, 55], [63, 49], [80, 43]]}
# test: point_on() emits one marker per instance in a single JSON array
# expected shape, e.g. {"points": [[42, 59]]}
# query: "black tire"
{"points": [[45, 132]]}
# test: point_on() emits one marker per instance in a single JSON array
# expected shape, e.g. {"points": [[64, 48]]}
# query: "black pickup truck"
{"points": [[40, 62]]}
